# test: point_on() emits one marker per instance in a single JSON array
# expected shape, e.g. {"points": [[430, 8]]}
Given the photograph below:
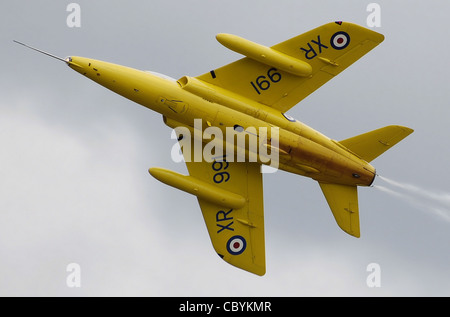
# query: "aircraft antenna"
{"points": [[67, 61]]}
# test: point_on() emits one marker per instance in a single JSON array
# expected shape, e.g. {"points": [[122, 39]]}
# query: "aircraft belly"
{"points": [[322, 164]]}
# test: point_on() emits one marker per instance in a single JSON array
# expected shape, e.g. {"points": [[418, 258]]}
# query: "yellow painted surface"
{"points": [[253, 93]]}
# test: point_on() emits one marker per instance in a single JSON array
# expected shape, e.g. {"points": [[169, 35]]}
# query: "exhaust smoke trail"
{"points": [[436, 202]]}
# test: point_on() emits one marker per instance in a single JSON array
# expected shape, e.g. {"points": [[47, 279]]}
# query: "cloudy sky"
{"points": [[74, 186]]}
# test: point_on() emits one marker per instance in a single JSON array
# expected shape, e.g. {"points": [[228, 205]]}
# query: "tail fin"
{"points": [[372, 144], [343, 202]]}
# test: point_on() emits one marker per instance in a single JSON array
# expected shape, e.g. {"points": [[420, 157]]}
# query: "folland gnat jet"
{"points": [[249, 98]]}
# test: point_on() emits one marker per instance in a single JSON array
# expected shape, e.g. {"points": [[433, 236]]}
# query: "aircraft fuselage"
{"points": [[302, 150]]}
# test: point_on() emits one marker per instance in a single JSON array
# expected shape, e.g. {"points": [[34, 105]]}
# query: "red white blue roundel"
{"points": [[236, 245], [340, 40]]}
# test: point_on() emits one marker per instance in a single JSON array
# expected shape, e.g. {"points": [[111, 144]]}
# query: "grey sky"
{"points": [[74, 183]]}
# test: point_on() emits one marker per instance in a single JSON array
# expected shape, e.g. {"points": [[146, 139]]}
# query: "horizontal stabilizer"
{"points": [[372, 144], [343, 201]]}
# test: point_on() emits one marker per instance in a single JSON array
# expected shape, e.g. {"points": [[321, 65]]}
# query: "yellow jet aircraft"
{"points": [[250, 97]]}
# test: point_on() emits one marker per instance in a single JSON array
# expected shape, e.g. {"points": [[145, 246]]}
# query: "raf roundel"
{"points": [[340, 40], [236, 245]]}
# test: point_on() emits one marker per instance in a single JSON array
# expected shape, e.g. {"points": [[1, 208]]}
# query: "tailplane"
{"points": [[372, 144]]}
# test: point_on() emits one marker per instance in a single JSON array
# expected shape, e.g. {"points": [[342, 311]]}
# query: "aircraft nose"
{"points": [[76, 63]]}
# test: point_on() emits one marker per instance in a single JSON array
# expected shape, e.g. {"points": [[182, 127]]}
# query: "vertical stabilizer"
{"points": [[343, 201]]}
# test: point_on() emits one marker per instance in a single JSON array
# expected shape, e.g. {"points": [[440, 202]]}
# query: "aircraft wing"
{"points": [[329, 49], [237, 234]]}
